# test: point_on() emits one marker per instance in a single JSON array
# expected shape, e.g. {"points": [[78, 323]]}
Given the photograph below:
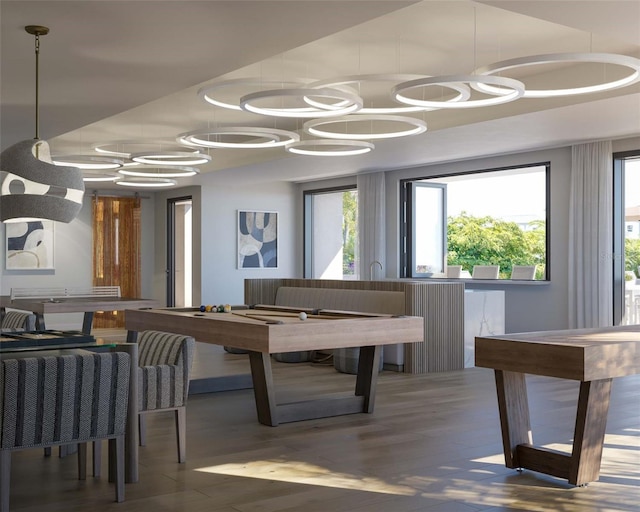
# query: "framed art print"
{"points": [[257, 239], [29, 245]]}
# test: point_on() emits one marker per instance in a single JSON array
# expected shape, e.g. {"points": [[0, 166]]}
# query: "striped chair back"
{"points": [[165, 361], [14, 320], [49, 400]]}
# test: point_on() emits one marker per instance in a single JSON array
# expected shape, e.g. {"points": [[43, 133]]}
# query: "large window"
{"points": [[627, 238], [494, 218], [331, 234]]}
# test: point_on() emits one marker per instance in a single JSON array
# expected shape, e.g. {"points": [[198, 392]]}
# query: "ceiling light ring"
{"points": [[463, 91], [204, 92], [111, 148], [508, 89], [88, 162], [554, 58], [161, 171], [146, 182], [274, 137], [352, 147], [97, 176], [171, 158], [347, 102], [418, 126]]}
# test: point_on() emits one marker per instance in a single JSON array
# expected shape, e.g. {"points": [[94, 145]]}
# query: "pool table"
{"points": [[264, 330]]}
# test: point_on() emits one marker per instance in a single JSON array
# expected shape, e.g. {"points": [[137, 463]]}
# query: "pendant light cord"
{"points": [[37, 85]]}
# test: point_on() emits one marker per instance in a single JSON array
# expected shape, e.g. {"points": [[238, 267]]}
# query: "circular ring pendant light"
{"points": [[99, 176], [631, 63], [170, 158], [345, 102], [254, 137], [506, 90], [324, 147], [350, 80], [88, 162], [165, 171], [408, 126], [147, 182], [207, 92]]}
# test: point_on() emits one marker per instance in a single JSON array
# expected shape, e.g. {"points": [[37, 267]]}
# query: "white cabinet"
{"points": [[483, 315]]}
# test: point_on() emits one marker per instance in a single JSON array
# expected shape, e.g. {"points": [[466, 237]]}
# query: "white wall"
{"points": [[223, 194], [73, 261]]}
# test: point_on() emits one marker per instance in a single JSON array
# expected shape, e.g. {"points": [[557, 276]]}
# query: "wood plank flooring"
{"points": [[433, 444]]}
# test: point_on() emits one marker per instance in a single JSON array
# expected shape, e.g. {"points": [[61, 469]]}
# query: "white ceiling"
{"points": [[113, 70]]}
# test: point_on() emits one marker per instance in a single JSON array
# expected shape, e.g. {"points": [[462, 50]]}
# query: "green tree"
{"points": [[349, 231], [632, 254], [490, 241]]}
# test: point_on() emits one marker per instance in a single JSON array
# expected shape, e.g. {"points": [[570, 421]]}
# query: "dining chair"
{"points": [[165, 361], [523, 272], [485, 272], [454, 271], [57, 400], [15, 320]]}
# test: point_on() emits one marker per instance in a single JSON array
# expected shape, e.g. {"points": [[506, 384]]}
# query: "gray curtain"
{"points": [[590, 236], [371, 225]]}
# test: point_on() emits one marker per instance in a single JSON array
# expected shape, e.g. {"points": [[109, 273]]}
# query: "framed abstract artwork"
{"points": [[257, 239], [29, 245]]}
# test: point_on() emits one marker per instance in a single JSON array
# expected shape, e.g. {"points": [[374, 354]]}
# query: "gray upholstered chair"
{"points": [[14, 320], [485, 272], [51, 400], [165, 361]]}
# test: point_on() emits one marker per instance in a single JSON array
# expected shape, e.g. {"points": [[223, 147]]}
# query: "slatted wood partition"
{"points": [[440, 304]]}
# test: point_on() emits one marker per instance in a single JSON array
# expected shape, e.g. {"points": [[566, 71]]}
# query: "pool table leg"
{"points": [[588, 440], [263, 389], [367, 379], [513, 406]]}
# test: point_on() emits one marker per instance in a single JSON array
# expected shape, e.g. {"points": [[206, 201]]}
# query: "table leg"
{"points": [[40, 322], [514, 414], [367, 379], [87, 322], [263, 389], [591, 422]]}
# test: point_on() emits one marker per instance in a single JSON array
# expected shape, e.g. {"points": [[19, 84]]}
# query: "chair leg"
{"points": [[5, 479], [82, 461], [181, 433], [142, 429], [97, 458], [117, 445]]}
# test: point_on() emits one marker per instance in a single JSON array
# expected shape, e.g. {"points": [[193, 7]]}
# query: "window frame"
{"points": [[307, 223], [406, 236]]}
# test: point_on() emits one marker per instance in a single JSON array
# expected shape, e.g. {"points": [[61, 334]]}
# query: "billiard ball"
{"points": [[227, 308], [221, 309], [302, 316], [203, 308], [208, 308]]}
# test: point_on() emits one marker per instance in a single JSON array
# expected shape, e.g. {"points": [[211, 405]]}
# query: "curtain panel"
{"points": [[371, 225], [116, 251], [590, 236]]}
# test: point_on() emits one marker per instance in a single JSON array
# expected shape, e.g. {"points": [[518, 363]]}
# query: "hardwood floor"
{"points": [[433, 444]]}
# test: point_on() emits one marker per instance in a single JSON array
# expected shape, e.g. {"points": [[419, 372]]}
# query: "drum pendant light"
{"points": [[31, 186]]}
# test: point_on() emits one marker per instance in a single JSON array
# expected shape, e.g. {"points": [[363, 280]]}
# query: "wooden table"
{"points": [[86, 305], [592, 356], [270, 329]]}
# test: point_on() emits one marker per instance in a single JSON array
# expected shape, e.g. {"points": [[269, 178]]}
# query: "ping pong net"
{"points": [[61, 292]]}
